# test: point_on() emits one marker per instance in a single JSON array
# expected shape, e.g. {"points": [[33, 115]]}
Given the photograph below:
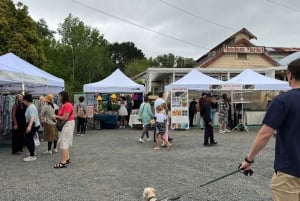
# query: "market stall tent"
{"points": [[255, 81], [15, 71], [194, 80], [116, 82]]}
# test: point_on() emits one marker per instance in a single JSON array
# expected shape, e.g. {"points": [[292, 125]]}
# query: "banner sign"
{"points": [[253, 50], [232, 87], [179, 109]]}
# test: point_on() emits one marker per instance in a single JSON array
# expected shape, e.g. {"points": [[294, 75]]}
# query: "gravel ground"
{"points": [[111, 165]]}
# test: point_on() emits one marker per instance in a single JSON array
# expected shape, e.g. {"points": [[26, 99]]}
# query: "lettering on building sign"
{"points": [[257, 50]]}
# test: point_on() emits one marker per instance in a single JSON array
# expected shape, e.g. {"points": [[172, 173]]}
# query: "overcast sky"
{"points": [[190, 32]]}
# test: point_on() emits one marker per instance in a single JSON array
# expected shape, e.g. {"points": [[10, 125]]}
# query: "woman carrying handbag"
{"points": [[65, 114]]}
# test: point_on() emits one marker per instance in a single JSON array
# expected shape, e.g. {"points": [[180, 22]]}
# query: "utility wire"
{"points": [[196, 16], [138, 25], [283, 5]]}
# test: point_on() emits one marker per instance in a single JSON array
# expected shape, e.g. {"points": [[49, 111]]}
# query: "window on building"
{"points": [[242, 55], [215, 76], [224, 77], [155, 90]]}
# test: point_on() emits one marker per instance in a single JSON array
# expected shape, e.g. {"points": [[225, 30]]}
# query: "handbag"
{"points": [[60, 124]]}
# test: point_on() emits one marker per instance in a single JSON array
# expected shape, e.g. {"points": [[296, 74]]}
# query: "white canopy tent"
{"points": [[16, 72], [256, 81], [116, 82], [194, 80]]}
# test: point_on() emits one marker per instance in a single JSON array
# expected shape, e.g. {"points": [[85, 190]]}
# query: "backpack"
{"points": [[80, 111]]}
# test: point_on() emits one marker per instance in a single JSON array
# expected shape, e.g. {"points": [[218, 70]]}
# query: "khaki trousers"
{"points": [[285, 187]]}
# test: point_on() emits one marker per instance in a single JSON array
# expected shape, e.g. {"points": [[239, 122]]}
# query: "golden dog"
{"points": [[149, 194]]}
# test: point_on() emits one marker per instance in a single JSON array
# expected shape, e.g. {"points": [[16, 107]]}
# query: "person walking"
{"points": [[66, 114], [50, 131], [192, 111], [81, 116], [32, 126], [283, 116], [208, 125], [19, 125], [160, 128], [146, 115], [159, 101]]}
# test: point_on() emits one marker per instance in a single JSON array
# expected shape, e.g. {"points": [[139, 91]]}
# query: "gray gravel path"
{"points": [[111, 165]]}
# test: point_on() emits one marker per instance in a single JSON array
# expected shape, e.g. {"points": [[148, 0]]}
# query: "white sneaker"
{"points": [[148, 139], [141, 140], [221, 131], [227, 131], [48, 152], [54, 150], [30, 158]]}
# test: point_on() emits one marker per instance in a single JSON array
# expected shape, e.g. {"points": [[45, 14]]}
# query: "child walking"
{"points": [[160, 128]]}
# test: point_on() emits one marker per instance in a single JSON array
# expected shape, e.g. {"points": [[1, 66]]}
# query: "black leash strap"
{"points": [[212, 181]]}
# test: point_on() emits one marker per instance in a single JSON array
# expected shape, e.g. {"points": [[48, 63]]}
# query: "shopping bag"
{"points": [[36, 139]]}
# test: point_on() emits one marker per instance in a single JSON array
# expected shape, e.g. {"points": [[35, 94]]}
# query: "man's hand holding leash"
{"points": [[245, 167]]}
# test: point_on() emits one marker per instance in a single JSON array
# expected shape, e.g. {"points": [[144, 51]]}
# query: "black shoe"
{"points": [[206, 144], [213, 143]]}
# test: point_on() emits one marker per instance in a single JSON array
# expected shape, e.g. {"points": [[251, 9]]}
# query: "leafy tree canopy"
{"points": [[124, 53], [18, 33]]}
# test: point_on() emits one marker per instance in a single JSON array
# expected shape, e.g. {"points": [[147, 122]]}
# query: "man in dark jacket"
{"points": [[192, 111], [209, 131]]}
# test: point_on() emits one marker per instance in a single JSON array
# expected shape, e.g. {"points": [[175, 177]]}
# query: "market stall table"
{"points": [[107, 119]]}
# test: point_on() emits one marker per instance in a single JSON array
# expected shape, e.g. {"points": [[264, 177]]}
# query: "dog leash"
{"points": [[212, 181]]}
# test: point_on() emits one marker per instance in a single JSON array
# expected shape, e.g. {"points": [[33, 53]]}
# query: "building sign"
{"points": [[179, 109], [233, 49]]}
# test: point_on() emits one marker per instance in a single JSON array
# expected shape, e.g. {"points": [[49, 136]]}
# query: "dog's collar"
{"points": [[150, 198]]}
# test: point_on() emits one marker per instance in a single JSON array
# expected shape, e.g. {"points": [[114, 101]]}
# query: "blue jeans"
{"points": [[212, 115]]}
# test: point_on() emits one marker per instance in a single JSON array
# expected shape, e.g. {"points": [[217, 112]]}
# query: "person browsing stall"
{"points": [[50, 131], [81, 114], [32, 126], [19, 125]]}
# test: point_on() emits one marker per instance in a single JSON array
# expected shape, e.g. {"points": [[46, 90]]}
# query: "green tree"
{"points": [[166, 60], [18, 33], [124, 53], [136, 67], [87, 56], [182, 62]]}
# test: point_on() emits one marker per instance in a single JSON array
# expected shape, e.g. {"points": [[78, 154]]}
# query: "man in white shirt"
{"points": [[159, 101]]}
